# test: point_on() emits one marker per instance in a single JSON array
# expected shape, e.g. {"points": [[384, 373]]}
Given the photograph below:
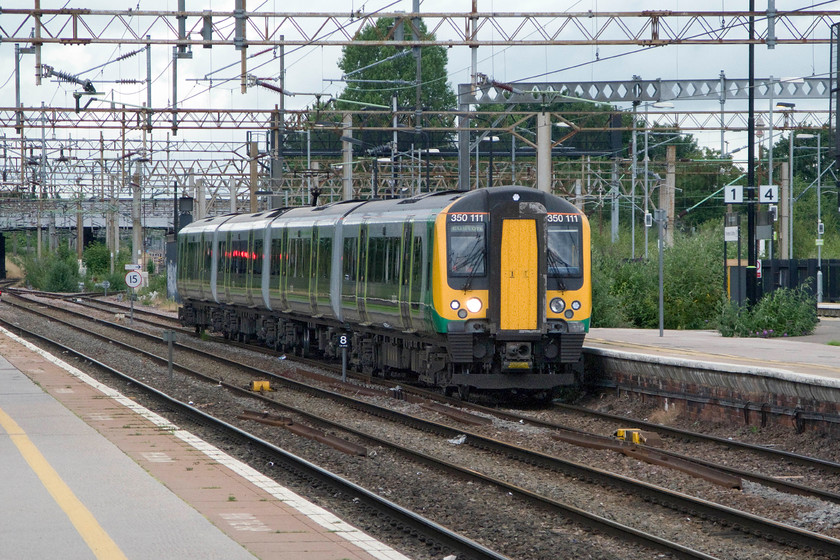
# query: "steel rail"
{"points": [[300, 467], [803, 460], [576, 514], [772, 482], [769, 529]]}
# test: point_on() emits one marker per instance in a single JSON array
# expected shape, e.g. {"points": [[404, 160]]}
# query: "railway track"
{"points": [[752, 524], [404, 520]]}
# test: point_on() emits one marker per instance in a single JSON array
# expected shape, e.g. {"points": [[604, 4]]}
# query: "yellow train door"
{"points": [[519, 275]]}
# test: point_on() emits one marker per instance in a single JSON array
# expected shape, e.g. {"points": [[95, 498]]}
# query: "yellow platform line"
{"points": [[83, 520]]}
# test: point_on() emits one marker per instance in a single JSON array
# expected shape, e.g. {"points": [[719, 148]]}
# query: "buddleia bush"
{"points": [[54, 272], [626, 291], [783, 312]]}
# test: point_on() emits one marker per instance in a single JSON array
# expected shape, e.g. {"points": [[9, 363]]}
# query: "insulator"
{"points": [[127, 55], [64, 76], [130, 81]]}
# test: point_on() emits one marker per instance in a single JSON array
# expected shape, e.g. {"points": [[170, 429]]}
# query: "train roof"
{"points": [[391, 209]]}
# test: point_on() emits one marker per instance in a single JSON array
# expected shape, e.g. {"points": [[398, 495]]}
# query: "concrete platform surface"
{"points": [[811, 354], [88, 473]]}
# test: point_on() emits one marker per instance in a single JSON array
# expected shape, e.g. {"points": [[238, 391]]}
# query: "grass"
{"points": [[833, 342]]}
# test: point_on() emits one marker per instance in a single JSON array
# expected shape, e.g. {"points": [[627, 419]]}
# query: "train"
{"points": [[487, 290]]}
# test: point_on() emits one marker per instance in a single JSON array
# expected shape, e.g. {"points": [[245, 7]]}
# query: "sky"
{"points": [[313, 70]]}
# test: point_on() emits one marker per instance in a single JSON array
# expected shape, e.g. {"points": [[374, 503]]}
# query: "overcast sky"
{"points": [[311, 69]]}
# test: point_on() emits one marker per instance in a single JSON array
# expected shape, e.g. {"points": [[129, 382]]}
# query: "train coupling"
{"points": [[517, 356], [638, 437]]}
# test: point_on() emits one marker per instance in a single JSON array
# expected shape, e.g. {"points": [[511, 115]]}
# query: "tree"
{"points": [[377, 83], [396, 75]]}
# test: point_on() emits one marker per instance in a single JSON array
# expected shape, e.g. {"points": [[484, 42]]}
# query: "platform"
{"points": [[793, 380], [810, 355], [87, 473]]}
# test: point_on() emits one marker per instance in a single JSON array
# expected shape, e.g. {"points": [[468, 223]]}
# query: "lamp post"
{"points": [[646, 161], [820, 227]]}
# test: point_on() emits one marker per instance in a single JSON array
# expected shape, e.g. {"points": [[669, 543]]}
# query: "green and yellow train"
{"points": [[486, 290]]}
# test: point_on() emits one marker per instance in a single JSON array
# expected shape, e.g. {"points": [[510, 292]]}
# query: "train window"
{"points": [[276, 256], [467, 255], [417, 270], [207, 240], [258, 258], [564, 255], [324, 258], [376, 259], [224, 255], [349, 257], [392, 260]]}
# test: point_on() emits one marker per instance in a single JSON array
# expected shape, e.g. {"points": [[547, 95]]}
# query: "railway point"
{"points": [[90, 474]]}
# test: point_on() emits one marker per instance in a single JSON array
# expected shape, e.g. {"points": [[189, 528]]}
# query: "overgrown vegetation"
{"points": [[54, 272], [783, 312], [626, 291]]}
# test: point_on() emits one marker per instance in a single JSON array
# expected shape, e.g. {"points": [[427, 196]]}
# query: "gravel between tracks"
{"points": [[499, 521]]}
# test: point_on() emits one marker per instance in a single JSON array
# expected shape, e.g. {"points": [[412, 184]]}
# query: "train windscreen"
{"points": [[564, 250], [467, 255]]}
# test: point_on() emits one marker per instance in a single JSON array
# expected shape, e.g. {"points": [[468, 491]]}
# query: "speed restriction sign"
{"points": [[133, 279]]}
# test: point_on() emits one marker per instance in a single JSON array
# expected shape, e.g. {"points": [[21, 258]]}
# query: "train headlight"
{"points": [[454, 304], [557, 305], [474, 305], [569, 314], [576, 305]]}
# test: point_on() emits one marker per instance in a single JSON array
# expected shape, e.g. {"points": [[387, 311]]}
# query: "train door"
{"points": [[405, 275], [224, 266], [361, 282], [313, 270], [250, 277], [282, 255], [519, 275]]}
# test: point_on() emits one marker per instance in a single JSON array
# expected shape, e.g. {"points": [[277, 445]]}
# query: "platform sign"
{"points": [[768, 194], [730, 233], [343, 341], [133, 279], [733, 194]]}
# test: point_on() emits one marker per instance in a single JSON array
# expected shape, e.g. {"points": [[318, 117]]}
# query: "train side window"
{"points": [[258, 257], [376, 260], [324, 257], [564, 251], [207, 240], [467, 255], [224, 255], [276, 256], [349, 256], [417, 270]]}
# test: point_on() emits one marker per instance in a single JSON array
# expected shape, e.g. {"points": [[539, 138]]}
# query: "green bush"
{"points": [[97, 259], [626, 292], [783, 312], [54, 272]]}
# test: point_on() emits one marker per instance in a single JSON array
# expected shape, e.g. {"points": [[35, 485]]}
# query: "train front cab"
{"points": [[513, 289]]}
